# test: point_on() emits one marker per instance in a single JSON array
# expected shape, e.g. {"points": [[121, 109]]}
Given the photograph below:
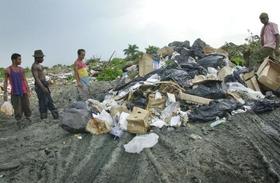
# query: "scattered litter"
{"points": [[158, 123], [138, 143], [175, 121], [195, 137], [7, 108], [218, 122], [117, 132], [78, 136], [123, 121]]}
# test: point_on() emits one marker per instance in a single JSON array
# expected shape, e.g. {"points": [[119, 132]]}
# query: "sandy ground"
{"points": [[245, 149]]}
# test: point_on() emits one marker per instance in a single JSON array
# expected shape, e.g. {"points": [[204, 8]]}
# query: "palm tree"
{"points": [[131, 52], [152, 50]]}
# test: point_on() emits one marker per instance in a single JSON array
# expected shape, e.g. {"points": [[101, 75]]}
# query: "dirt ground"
{"points": [[245, 149]]}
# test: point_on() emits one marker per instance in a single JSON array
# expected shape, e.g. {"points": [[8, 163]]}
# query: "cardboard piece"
{"points": [[137, 121], [155, 103], [268, 74], [201, 79], [225, 71], [97, 127], [251, 81], [192, 99], [145, 65]]}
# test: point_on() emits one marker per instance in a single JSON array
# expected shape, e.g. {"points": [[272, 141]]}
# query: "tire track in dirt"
{"points": [[261, 133]]}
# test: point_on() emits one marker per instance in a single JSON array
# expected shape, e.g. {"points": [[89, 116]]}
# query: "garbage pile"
{"points": [[190, 86]]}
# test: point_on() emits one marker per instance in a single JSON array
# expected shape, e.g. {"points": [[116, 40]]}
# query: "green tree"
{"points": [[152, 50], [132, 52]]}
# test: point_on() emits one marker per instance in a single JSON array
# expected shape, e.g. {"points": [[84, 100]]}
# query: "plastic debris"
{"points": [[195, 137], [123, 121], [158, 123], [218, 122], [138, 143], [175, 121], [7, 108]]}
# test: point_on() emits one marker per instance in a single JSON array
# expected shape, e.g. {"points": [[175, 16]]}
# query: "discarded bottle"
{"points": [[218, 122]]}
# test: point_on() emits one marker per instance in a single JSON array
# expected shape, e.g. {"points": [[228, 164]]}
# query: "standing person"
{"points": [[42, 87], [20, 92], [81, 74], [269, 37]]}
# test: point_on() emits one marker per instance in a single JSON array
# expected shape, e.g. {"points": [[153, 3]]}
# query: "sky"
{"points": [[60, 27]]}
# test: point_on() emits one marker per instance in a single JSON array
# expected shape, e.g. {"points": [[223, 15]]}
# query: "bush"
{"points": [[112, 70]]}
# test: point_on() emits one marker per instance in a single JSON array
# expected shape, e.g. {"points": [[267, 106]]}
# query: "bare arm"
{"points": [[77, 77], [6, 85], [277, 41], [24, 79]]}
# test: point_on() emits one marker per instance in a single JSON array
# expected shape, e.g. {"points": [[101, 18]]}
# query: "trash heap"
{"points": [[194, 84]]}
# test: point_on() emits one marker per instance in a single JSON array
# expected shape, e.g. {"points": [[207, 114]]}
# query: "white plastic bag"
{"points": [[158, 123], [243, 91], [175, 121], [138, 143], [123, 121], [106, 118], [7, 108]]}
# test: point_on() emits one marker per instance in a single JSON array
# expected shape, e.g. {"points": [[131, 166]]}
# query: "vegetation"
{"points": [[112, 70], [132, 52], [152, 50], [1, 73], [242, 54]]}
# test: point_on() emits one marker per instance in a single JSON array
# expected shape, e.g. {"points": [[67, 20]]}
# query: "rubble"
{"points": [[269, 74], [195, 86], [137, 121]]}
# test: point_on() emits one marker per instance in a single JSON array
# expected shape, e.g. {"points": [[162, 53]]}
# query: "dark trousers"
{"points": [[45, 103], [21, 105]]}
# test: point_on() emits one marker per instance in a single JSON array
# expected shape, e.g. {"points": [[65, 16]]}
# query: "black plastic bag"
{"points": [[197, 48], [216, 108], [265, 105], [75, 120], [216, 61], [212, 90]]}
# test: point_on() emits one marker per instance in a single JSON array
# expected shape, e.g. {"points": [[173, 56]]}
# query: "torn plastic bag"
{"points": [[79, 105], [216, 61], [158, 123], [217, 108], [7, 108], [117, 132], [235, 76], [244, 92], [185, 44], [123, 120], [193, 69], [100, 124], [175, 121], [138, 100], [212, 90], [265, 105], [94, 106], [106, 117], [75, 120], [197, 48], [179, 76], [170, 111], [138, 143]]}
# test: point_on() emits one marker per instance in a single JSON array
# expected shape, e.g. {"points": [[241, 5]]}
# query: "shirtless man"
{"points": [[41, 87]]}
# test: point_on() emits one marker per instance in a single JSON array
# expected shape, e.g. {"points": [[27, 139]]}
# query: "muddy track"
{"points": [[245, 149]]}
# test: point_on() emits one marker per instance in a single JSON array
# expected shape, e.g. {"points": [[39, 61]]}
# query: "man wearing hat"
{"points": [[41, 87], [269, 37]]}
